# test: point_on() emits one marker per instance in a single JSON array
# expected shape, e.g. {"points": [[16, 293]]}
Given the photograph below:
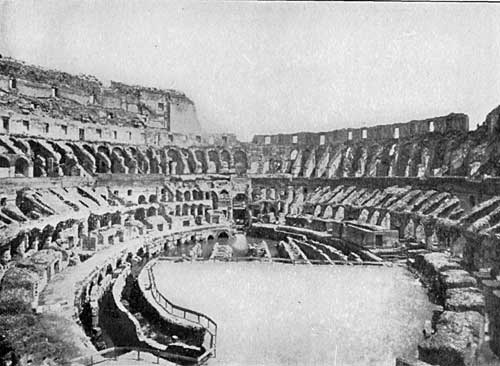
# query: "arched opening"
{"points": [[223, 235], [176, 164], [240, 162], [472, 200], [215, 200], [4, 162], [116, 218], [213, 158], [22, 167], [153, 198], [140, 214], [151, 211], [225, 159], [210, 237], [328, 212], [187, 196], [142, 199]]}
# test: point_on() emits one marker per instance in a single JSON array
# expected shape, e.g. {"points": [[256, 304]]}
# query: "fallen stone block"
{"points": [[465, 299], [456, 340], [431, 264], [457, 278]]}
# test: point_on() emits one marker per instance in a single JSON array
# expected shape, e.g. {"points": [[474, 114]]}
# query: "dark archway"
{"points": [[22, 167]]}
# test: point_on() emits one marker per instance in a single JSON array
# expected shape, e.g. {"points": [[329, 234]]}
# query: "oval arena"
{"points": [[127, 233]]}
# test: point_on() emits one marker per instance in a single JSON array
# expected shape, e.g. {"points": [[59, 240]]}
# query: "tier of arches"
{"points": [[40, 158]]}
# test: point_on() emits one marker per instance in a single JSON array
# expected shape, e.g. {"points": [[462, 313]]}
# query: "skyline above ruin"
{"points": [[276, 68]]}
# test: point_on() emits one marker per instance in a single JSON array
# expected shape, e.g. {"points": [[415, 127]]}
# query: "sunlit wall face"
{"points": [[276, 67]]}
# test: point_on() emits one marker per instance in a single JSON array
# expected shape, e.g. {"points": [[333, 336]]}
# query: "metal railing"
{"points": [[275, 260], [112, 354], [201, 319]]}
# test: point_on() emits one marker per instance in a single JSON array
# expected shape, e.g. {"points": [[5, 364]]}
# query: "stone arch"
{"points": [[224, 195], [103, 162], [201, 157], [152, 211], [420, 234], [104, 149], [240, 198], [215, 200], [154, 161], [85, 157], [176, 166], [214, 161], [118, 161], [4, 162], [339, 215], [223, 235], [22, 166], [240, 161], [225, 158], [116, 218], [363, 216], [409, 230], [433, 240], [190, 158], [46, 157], [374, 218], [142, 161], [386, 221], [328, 213]]}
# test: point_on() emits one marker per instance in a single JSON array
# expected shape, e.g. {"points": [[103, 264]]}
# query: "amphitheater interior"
{"points": [[97, 181]]}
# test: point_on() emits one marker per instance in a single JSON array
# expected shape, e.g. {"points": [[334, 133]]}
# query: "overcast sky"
{"points": [[276, 67]]}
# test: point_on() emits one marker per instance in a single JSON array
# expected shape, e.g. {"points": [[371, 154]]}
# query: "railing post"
{"points": [[138, 355]]}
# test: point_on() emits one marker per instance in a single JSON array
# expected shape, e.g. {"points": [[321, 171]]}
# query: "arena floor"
{"points": [[281, 314]]}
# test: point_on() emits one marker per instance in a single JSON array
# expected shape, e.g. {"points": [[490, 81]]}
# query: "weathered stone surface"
{"points": [[465, 299], [400, 361], [431, 264], [457, 278], [455, 343]]}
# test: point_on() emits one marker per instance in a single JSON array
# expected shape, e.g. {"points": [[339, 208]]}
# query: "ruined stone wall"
{"points": [[456, 153], [168, 109], [442, 124]]}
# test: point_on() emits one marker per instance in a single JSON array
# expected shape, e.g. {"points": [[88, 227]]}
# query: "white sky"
{"points": [[275, 67]]}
